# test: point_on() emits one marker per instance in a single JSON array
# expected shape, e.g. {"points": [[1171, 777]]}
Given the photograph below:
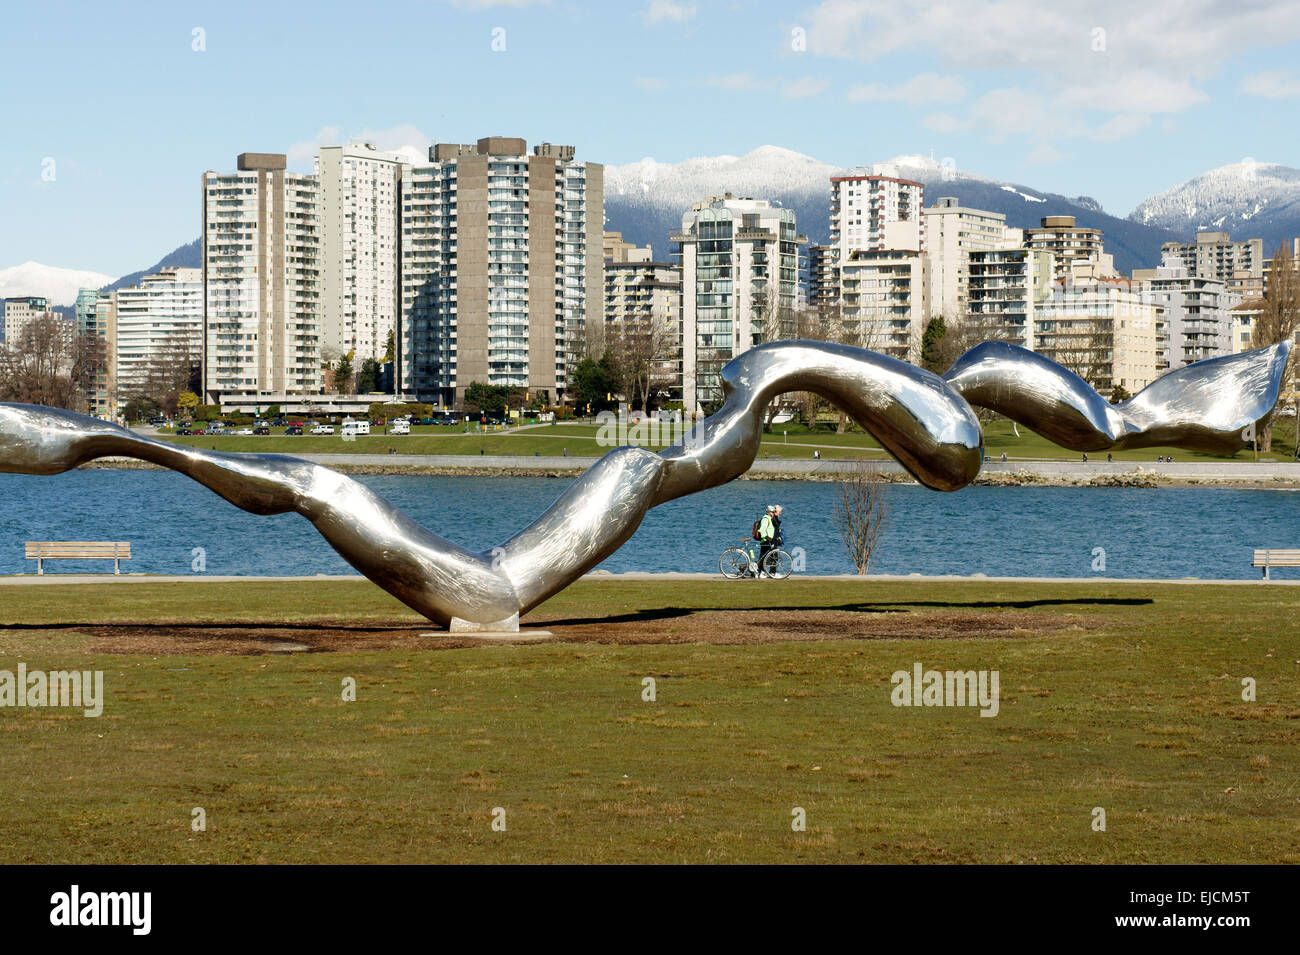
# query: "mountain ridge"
{"points": [[645, 200], [56, 284], [1247, 199]]}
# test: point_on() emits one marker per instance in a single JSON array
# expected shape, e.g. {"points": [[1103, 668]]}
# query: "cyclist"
{"points": [[769, 534]]}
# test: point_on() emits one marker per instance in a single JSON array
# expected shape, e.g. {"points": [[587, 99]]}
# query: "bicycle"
{"points": [[738, 562]]}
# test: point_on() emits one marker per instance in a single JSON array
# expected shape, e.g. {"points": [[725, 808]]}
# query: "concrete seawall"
{"points": [[1012, 473]]}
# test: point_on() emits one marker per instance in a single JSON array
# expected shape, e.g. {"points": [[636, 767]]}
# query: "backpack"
{"points": [[754, 533]]}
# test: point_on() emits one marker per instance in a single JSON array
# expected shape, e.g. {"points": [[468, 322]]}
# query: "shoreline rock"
{"points": [[1139, 477]]}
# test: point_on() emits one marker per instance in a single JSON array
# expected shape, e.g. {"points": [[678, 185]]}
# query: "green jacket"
{"points": [[765, 528]]}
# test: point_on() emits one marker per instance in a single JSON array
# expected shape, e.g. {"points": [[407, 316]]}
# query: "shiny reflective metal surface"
{"points": [[923, 420]]}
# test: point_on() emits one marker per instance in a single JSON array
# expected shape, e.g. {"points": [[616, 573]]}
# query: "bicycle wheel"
{"points": [[778, 564], [734, 563]]}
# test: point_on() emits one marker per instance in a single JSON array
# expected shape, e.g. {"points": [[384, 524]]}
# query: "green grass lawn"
{"points": [[786, 441], [1132, 704]]}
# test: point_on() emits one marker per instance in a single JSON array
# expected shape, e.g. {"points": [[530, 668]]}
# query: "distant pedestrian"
{"points": [[817, 454], [564, 452], [1108, 457], [1085, 457], [1004, 457]]}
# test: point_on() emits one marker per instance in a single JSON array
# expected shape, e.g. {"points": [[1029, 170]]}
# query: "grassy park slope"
{"points": [[769, 696], [786, 441]]}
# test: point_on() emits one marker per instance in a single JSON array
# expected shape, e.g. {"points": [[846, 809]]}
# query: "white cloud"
{"points": [[803, 88], [666, 11], [1142, 91], [1121, 127], [738, 83], [1271, 84], [924, 88], [1013, 111], [1114, 57], [406, 140], [945, 123], [1044, 153]]}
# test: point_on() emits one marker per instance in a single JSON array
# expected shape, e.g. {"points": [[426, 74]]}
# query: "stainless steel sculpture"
{"points": [[923, 420]]}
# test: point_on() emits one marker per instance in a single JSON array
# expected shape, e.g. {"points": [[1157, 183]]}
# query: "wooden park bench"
{"points": [[116, 551], [1266, 558]]}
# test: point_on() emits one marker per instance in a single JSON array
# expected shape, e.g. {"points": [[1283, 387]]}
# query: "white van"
{"points": [[354, 428], [400, 426]]}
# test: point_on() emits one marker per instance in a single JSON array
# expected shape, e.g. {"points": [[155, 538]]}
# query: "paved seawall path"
{"points": [[1016, 472], [33, 580]]}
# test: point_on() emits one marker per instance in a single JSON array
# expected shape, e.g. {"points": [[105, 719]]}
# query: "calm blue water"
{"points": [[1048, 532]]}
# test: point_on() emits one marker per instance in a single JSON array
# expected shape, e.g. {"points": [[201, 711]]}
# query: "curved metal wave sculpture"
{"points": [[925, 421]]}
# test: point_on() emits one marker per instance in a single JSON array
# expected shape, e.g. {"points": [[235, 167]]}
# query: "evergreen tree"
{"points": [[932, 344]]}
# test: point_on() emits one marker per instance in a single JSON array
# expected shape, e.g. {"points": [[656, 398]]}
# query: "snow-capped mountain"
{"points": [[645, 200], [59, 286], [1246, 198], [753, 174]]}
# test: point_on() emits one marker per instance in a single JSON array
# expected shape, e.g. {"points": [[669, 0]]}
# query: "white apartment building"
{"points": [[161, 319], [1107, 331], [261, 283], [19, 311], [740, 276], [1071, 245], [1197, 313], [824, 283], [1214, 255], [360, 190], [501, 267], [872, 211], [884, 301], [1006, 288], [1243, 318], [952, 232], [644, 297]]}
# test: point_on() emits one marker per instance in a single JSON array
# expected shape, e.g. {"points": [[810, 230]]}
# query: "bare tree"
{"points": [[641, 352], [861, 511], [1278, 321], [772, 321], [1085, 346], [41, 366], [172, 369], [818, 325], [964, 333]]}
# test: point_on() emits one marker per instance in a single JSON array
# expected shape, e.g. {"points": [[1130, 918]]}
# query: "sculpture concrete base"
{"points": [[507, 625], [498, 636]]}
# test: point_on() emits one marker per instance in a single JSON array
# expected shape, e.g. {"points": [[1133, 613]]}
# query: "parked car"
{"points": [[400, 426], [184, 432], [264, 430], [244, 432], [323, 429], [279, 423], [294, 429], [354, 428]]}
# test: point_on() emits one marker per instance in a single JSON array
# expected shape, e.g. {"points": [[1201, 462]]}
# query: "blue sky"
{"points": [[1118, 103]]}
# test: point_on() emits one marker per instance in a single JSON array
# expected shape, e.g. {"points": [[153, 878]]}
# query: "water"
{"points": [[1048, 532]]}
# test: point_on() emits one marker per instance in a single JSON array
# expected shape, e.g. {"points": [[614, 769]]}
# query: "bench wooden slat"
{"points": [[97, 547], [41, 551], [1277, 558], [1269, 557]]}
